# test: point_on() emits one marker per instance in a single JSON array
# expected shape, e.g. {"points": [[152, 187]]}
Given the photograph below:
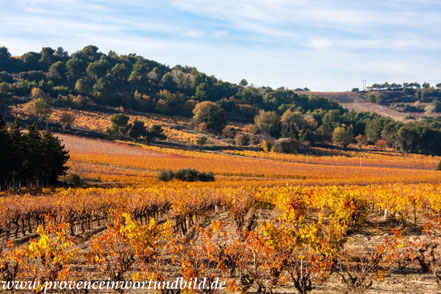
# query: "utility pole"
{"points": [[364, 85]]}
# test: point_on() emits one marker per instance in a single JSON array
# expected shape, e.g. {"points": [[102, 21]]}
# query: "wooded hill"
{"points": [[89, 78]]}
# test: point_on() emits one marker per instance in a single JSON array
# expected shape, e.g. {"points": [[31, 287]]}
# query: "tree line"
{"points": [[386, 93], [335, 125], [29, 158], [90, 77]]}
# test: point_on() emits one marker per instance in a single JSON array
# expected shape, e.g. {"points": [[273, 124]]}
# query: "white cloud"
{"points": [[194, 34], [322, 44]]}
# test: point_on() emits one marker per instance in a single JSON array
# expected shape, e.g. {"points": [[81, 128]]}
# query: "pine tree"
{"points": [[33, 162], [5, 160], [54, 158], [120, 125], [16, 155], [32, 158]]}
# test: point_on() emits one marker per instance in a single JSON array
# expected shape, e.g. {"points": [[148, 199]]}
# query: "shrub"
{"points": [[241, 140], [206, 177], [286, 145], [186, 175], [165, 176], [67, 119], [73, 180]]}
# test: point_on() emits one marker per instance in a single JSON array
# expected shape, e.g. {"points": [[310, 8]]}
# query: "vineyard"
{"points": [[269, 223], [100, 122]]}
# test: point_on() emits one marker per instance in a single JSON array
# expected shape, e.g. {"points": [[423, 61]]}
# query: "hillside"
{"points": [[401, 109], [192, 108]]}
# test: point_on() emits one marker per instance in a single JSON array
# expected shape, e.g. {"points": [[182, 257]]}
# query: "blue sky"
{"points": [[320, 44]]}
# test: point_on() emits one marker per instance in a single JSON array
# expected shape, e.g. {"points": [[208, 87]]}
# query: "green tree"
{"points": [[98, 69], [31, 158], [332, 118], [61, 54], [5, 98], [342, 137], [16, 155], [6, 161], [57, 71], [5, 59], [138, 130], [390, 132], [75, 68], [407, 138], [102, 90], [38, 108], [374, 128], [30, 61], [323, 133], [297, 127], [156, 132], [82, 86], [243, 83], [120, 72], [268, 122], [120, 125], [32, 165], [210, 116], [201, 91], [47, 57], [436, 105], [251, 96], [54, 158]]}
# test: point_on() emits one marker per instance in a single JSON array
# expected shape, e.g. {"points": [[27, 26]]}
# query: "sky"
{"points": [[325, 45]]}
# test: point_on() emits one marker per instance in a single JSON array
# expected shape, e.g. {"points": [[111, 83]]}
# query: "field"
{"points": [[270, 223], [100, 122]]}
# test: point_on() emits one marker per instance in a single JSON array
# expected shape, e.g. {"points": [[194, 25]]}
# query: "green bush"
{"points": [[165, 176], [186, 175], [206, 177], [438, 167]]}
